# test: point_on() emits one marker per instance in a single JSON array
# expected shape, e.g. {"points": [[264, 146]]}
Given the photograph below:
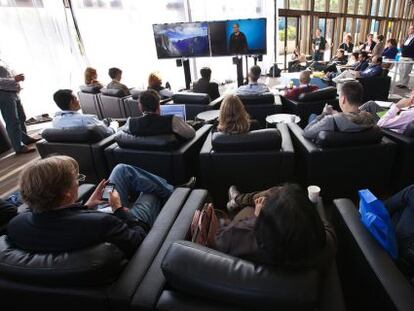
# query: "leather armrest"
{"points": [[287, 145], [207, 146], [105, 142], [215, 104], [393, 281], [397, 137], [166, 100], [297, 132], [200, 133]]}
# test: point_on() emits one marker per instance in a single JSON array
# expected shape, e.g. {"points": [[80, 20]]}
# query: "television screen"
{"points": [[181, 40], [242, 36]]}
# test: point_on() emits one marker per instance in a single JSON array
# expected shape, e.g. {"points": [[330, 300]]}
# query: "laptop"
{"points": [[176, 110]]}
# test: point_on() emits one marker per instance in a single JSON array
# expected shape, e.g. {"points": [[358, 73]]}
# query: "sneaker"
{"points": [[233, 193], [189, 184], [26, 149]]}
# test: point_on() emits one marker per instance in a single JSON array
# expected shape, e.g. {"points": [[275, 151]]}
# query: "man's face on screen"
{"points": [[235, 28]]}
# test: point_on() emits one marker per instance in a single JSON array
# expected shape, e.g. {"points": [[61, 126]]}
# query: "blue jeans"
{"points": [[14, 117], [318, 56], [401, 209], [153, 191], [312, 117]]}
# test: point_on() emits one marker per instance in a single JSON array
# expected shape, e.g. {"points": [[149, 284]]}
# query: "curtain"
{"points": [[37, 39]]}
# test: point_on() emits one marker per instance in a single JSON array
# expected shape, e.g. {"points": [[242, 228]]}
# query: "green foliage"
{"points": [[291, 34]]}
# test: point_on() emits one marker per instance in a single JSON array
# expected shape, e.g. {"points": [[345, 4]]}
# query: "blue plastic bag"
{"points": [[376, 219]]}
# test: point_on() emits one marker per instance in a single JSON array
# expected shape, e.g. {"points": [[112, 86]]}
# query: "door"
{"points": [[288, 38]]}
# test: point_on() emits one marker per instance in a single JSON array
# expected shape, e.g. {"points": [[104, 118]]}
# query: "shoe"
{"points": [[33, 140], [189, 184], [26, 149], [233, 193]]}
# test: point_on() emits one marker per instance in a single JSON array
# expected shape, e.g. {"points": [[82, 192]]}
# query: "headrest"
{"points": [[267, 139], [156, 142], [100, 264], [409, 131], [112, 92], [82, 134], [92, 89], [218, 276], [135, 93], [328, 139], [254, 99], [318, 95], [191, 98]]}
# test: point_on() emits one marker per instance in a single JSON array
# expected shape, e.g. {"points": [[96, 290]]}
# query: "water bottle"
{"points": [[398, 57]]}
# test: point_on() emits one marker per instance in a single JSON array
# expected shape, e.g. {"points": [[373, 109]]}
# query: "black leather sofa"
{"points": [[185, 276], [342, 163], [376, 88], [310, 103], [370, 278], [403, 174], [252, 161], [162, 155], [112, 103], [195, 103], [85, 144], [89, 100], [97, 278], [131, 104]]}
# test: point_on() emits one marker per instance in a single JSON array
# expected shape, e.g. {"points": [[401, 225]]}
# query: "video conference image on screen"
{"points": [[225, 38], [181, 40]]}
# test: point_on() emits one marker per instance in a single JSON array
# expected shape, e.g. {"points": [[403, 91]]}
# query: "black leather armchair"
{"points": [[370, 278], [131, 105], [112, 103], [162, 155], [195, 103], [376, 88], [342, 163], [310, 103], [89, 100], [252, 161], [71, 282], [85, 144], [403, 174], [260, 106]]}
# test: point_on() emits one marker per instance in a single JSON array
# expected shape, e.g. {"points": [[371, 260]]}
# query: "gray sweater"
{"points": [[342, 122]]}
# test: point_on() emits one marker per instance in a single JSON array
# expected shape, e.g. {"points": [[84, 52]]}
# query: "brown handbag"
{"points": [[204, 226]]}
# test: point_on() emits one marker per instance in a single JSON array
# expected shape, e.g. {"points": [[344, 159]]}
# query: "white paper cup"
{"points": [[313, 193], [292, 119]]}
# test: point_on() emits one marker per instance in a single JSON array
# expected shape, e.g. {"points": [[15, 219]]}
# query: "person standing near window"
{"points": [[318, 46], [407, 50]]}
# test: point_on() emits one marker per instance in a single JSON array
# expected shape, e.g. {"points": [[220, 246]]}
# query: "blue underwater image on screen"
{"points": [[181, 40]]}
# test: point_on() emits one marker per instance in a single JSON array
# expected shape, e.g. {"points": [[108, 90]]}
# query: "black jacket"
{"points": [[408, 50], [75, 227], [207, 87], [7, 212]]}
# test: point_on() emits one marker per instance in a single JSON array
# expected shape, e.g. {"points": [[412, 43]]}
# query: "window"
{"points": [[334, 6], [396, 8], [381, 8], [296, 4], [361, 7], [320, 5], [374, 7], [280, 4], [351, 7]]}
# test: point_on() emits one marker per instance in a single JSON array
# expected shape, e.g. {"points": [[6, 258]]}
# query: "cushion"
{"points": [[267, 139], [100, 264], [135, 93], [112, 92], [328, 139], [92, 89], [221, 277], [409, 131], [319, 95], [155, 142], [253, 99], [84, 134], [191, 98]]}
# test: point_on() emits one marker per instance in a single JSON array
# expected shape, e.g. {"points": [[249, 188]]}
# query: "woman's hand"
{"points": [[96, 197]]}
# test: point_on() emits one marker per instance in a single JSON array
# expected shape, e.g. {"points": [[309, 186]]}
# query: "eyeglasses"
{"points": [[81, 177]]}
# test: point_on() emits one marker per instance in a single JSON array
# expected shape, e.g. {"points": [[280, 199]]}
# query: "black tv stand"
{"points": [[185, 63], [238, 61]]}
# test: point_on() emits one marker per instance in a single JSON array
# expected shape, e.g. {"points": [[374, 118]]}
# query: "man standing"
{"points": [[238, 41], [318, 46], [407, 50], [12, 110]]}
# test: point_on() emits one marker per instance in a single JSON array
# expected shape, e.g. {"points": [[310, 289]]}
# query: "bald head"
{"points": [[304, 77]]}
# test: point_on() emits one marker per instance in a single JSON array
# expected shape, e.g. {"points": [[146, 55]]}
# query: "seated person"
{"points": [[304, 87], [155, 83], [363, 61], [116, 75], [152, 123], [203, 85], [56, 223], [253, 87], [298, 65], [391, 50], [373, 70], [233, 117], [379, 47], [351, 119], [339, 59], [70, 115], [91, 77], [279, 226], [397, 117], [353, 60], [369, 45], [401, 209], [347, 45]]}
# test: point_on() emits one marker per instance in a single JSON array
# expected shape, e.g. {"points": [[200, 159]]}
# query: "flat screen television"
{"points": [[238, 37], [181, 40]]}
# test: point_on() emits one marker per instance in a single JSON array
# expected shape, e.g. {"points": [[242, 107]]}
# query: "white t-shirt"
{"points": [[407, 42]]}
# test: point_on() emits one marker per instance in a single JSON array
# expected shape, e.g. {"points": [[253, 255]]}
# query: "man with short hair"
{"points": [[373, 70], [407, 51], [116, 75], [351, 119], [304, 87], [253, 87], [318, 45], [152, 123], [203, 85], [69, 116], [238, 41]]}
